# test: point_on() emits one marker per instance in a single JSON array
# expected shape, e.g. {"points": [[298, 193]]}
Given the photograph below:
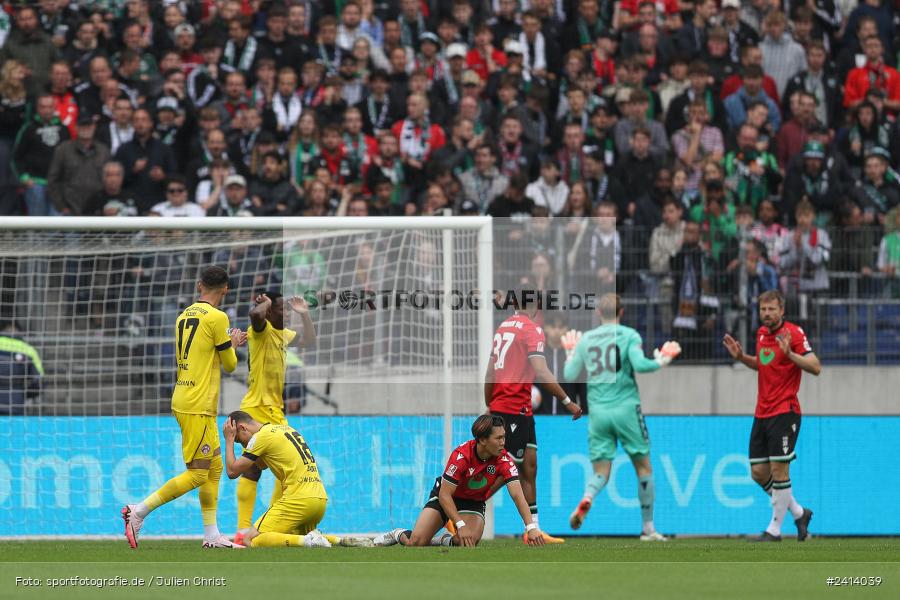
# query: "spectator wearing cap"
{"points": [[29, 45], [119, 129], [147, 161], [794, 133], [484, 59], [877, 192], [750, 91], [782, 56], [236, 201], [635, 116], [176, 203], [697, 142], [811, 180], [447, 88], [75, 171], [819, 80], [33, 152], [700, 89], [169, 127], [738, 33], [483, 182], [750, 55], [752, 175], [113, 199], [874, 74], [185, 39], [429, 58]]}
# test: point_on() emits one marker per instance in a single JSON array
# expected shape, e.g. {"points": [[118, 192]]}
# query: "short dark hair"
{"points": [[609, 306], [484, 426], [753, 72], [240, 416], [214, 277]]}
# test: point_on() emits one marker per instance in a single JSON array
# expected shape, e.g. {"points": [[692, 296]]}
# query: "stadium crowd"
{"points": [[748, 139]]}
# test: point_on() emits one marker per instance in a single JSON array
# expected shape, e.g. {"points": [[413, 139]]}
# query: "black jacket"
{"points": [[147, 191], [833, 97], [35, 145]]}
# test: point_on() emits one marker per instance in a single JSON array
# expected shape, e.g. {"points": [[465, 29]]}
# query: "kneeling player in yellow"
{"points": [[293, 518], [267, 340]]}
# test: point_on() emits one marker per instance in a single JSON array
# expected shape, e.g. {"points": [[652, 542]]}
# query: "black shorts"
{"points": [[773, 439], [463, 506], [520, 434]]}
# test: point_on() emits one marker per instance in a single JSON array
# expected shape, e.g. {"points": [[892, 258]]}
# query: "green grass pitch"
{"points": [[609, 568]]}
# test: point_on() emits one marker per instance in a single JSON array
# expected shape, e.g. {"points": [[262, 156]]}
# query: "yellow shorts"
{"points": [[297, 516], [266, 414], [199, 436]]}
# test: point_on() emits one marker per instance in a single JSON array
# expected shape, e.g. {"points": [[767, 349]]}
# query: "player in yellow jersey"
{"points": [[292, 519], [267, 341], [204, 343]]}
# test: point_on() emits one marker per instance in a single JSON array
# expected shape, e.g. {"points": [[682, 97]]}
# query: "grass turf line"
{"points": [[583, 567]]}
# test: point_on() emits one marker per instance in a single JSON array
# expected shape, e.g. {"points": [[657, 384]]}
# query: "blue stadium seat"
{"points": [[888, 316]]}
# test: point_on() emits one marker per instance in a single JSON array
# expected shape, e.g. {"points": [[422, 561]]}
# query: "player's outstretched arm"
{"points": [[258, 313], [533, 534], [543, 376], [737, 352], [299, 306], [445, 498]]}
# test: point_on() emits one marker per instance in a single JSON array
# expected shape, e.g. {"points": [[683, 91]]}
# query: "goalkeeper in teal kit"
{"points": [[610, 355]]}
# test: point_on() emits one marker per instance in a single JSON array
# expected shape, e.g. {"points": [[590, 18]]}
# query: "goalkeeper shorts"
{"points": [[612, 425], [199, 436], [297, 516]]}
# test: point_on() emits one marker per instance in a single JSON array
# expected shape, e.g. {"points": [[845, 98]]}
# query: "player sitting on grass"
{"points": [[475, 470], [292, 519], [611, 354], [204, 342], [267, 340]]}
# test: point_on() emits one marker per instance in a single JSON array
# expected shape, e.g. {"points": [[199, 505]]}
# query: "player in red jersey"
{"points": [[782, 352], [474, 471], [517, 362]]}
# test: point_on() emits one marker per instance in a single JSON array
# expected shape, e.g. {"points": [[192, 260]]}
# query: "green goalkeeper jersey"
{"points": [[610, 355]]}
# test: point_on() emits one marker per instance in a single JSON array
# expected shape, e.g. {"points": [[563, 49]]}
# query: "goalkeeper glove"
{"points": [[664, 355], [569, 340]]}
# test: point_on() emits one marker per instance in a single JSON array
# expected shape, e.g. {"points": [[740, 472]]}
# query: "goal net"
{"points": [[403, 334]]}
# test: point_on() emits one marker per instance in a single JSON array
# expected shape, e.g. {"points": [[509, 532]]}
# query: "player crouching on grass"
{"points": [[292, 519], [611, 354], [475, 470]]}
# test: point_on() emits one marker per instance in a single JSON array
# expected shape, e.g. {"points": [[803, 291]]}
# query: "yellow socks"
{"points": [[174, 488], [246, 499], [209, 498], [276, 540]]}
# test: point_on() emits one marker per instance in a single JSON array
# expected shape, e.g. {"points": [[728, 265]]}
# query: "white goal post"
{"points": [[95, 297]]}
